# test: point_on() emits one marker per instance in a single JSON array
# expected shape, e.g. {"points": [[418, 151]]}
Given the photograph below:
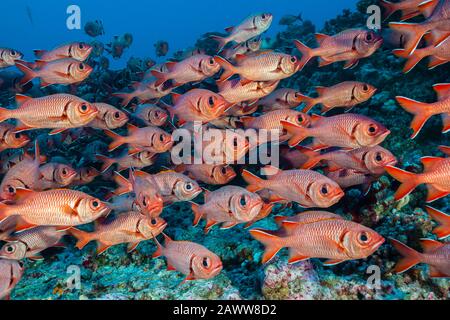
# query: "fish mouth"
{"points": [[378, 244], [391, 163]]}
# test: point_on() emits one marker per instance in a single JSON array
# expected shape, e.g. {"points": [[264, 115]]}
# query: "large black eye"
{"points": [[205, 262], [189, 186], [95, 204], [211, 61], [11, 189], [161, 138], [81, 66], [10, 249], [363, 237], [365, 87], [224, 170], [369, 36], [64, 171], [243, 201], [211, 101], [84, 107], [372, 129], [264, 17], [293, 59], [378, 157], [300, 118], [117, 115], [13, 52], [324, 190], [81, 46], [153, 221], [17, 135]]}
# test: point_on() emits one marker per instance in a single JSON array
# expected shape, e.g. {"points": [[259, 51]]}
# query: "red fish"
{"points": [[234, 92], [144, 92], [319, 235], [283, 98], [423, 111], [408, 8], [108, 117], [436, 255], [436, 176], [443, 230], [9, 139], [138, 160], [76, 50], [8, 57], [209, 173], [191, 259], [11, 272]]}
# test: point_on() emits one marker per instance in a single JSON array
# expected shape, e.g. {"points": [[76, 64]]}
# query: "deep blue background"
{"points": [[178, 22]]}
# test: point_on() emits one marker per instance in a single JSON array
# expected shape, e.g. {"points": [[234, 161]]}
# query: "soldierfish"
{"points": [[234, 92], [85, 176], [436, 255], [346, 94], [55, 175], [151, 115], [29, 243], [283, 98], [209, 173], [423, 111], [345, 130], [365, 160], [108, 117], [152, 139], [197, 105], [77, 50], [438, 20], [246, 48], [265, 66], [442, 231], [60, 208], [251, 27], [191, 259], [319, 235], [9, 139], [436, 176], [347, 178], [144, 92], [59, 112], [131, 228], [349, 45], [229, 206], [11, 272], [138, 160], [193, 69], [408, 8], [308, 188], [8, 57], [64, 71]]}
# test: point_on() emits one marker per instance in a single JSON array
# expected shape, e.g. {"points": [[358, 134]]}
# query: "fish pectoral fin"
{"points": [[332, 262], [209, 225], [69, 211], [62, 74], [435, 273], [228, 225]]}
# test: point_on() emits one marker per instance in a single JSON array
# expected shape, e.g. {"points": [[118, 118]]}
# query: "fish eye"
{"points": [[300, 118], [10, 249], [189, 186], [117, 115], [11, 189], [81, 66], [223, 170], [64, 171], [13, 52], [211, 61], [324, 189], [293, 59], [243, 201], [84, 107], [95, 204], [153, 221], [161, 138], [372, 129], [363, 237], [81, 46], [365, 87], [17, 135], [264, 16], [369, 36], [206, 262], [378, 157], [211, 101]]}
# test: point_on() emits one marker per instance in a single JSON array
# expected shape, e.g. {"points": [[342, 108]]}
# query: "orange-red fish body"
{"points": [[58, 111], [145, 92], [77, 50], [320, 235], [130, 227], [138, 161], [108, 117], [11, 272], [151, 115], [408, 8], [176, 187], [281, 99], [209, 173], [191, 259], [235, 92], [9, 139], [8, 57], [85, 176], [55, 175]]}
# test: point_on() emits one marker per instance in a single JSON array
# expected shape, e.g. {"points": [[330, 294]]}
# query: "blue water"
{"points": [[179, 22]]}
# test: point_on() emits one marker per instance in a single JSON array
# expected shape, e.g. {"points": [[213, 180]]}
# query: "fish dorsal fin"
{"points": [[140, 174], [430, 162], [21, 99], [175, 97], [229, 29], [427, 7], [429, 245], [240, 57], [132, 128], [442, 90], [290, 226], [320, 38], [320, 90], [171, 65], [270, 170]]}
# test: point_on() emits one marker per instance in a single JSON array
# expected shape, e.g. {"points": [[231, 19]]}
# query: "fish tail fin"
{"points": [[124, 186], [107, 162], [413, 33], [314, 157], [4, 212], [222, 41], [271, 242], [413, 59], [126, 98], [389, 8], [228, 69], [197, 214], [408, 181], [443, 230], [420, 110], [308, 101], [5, 114], [83, 237], [161, 77], [29, 73], [255, 183], [410, 257], [298, 133], [118, 140], [307, 54]]}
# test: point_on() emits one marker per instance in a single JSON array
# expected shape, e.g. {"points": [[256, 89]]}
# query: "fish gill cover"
{"points": [[191, 179]]}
